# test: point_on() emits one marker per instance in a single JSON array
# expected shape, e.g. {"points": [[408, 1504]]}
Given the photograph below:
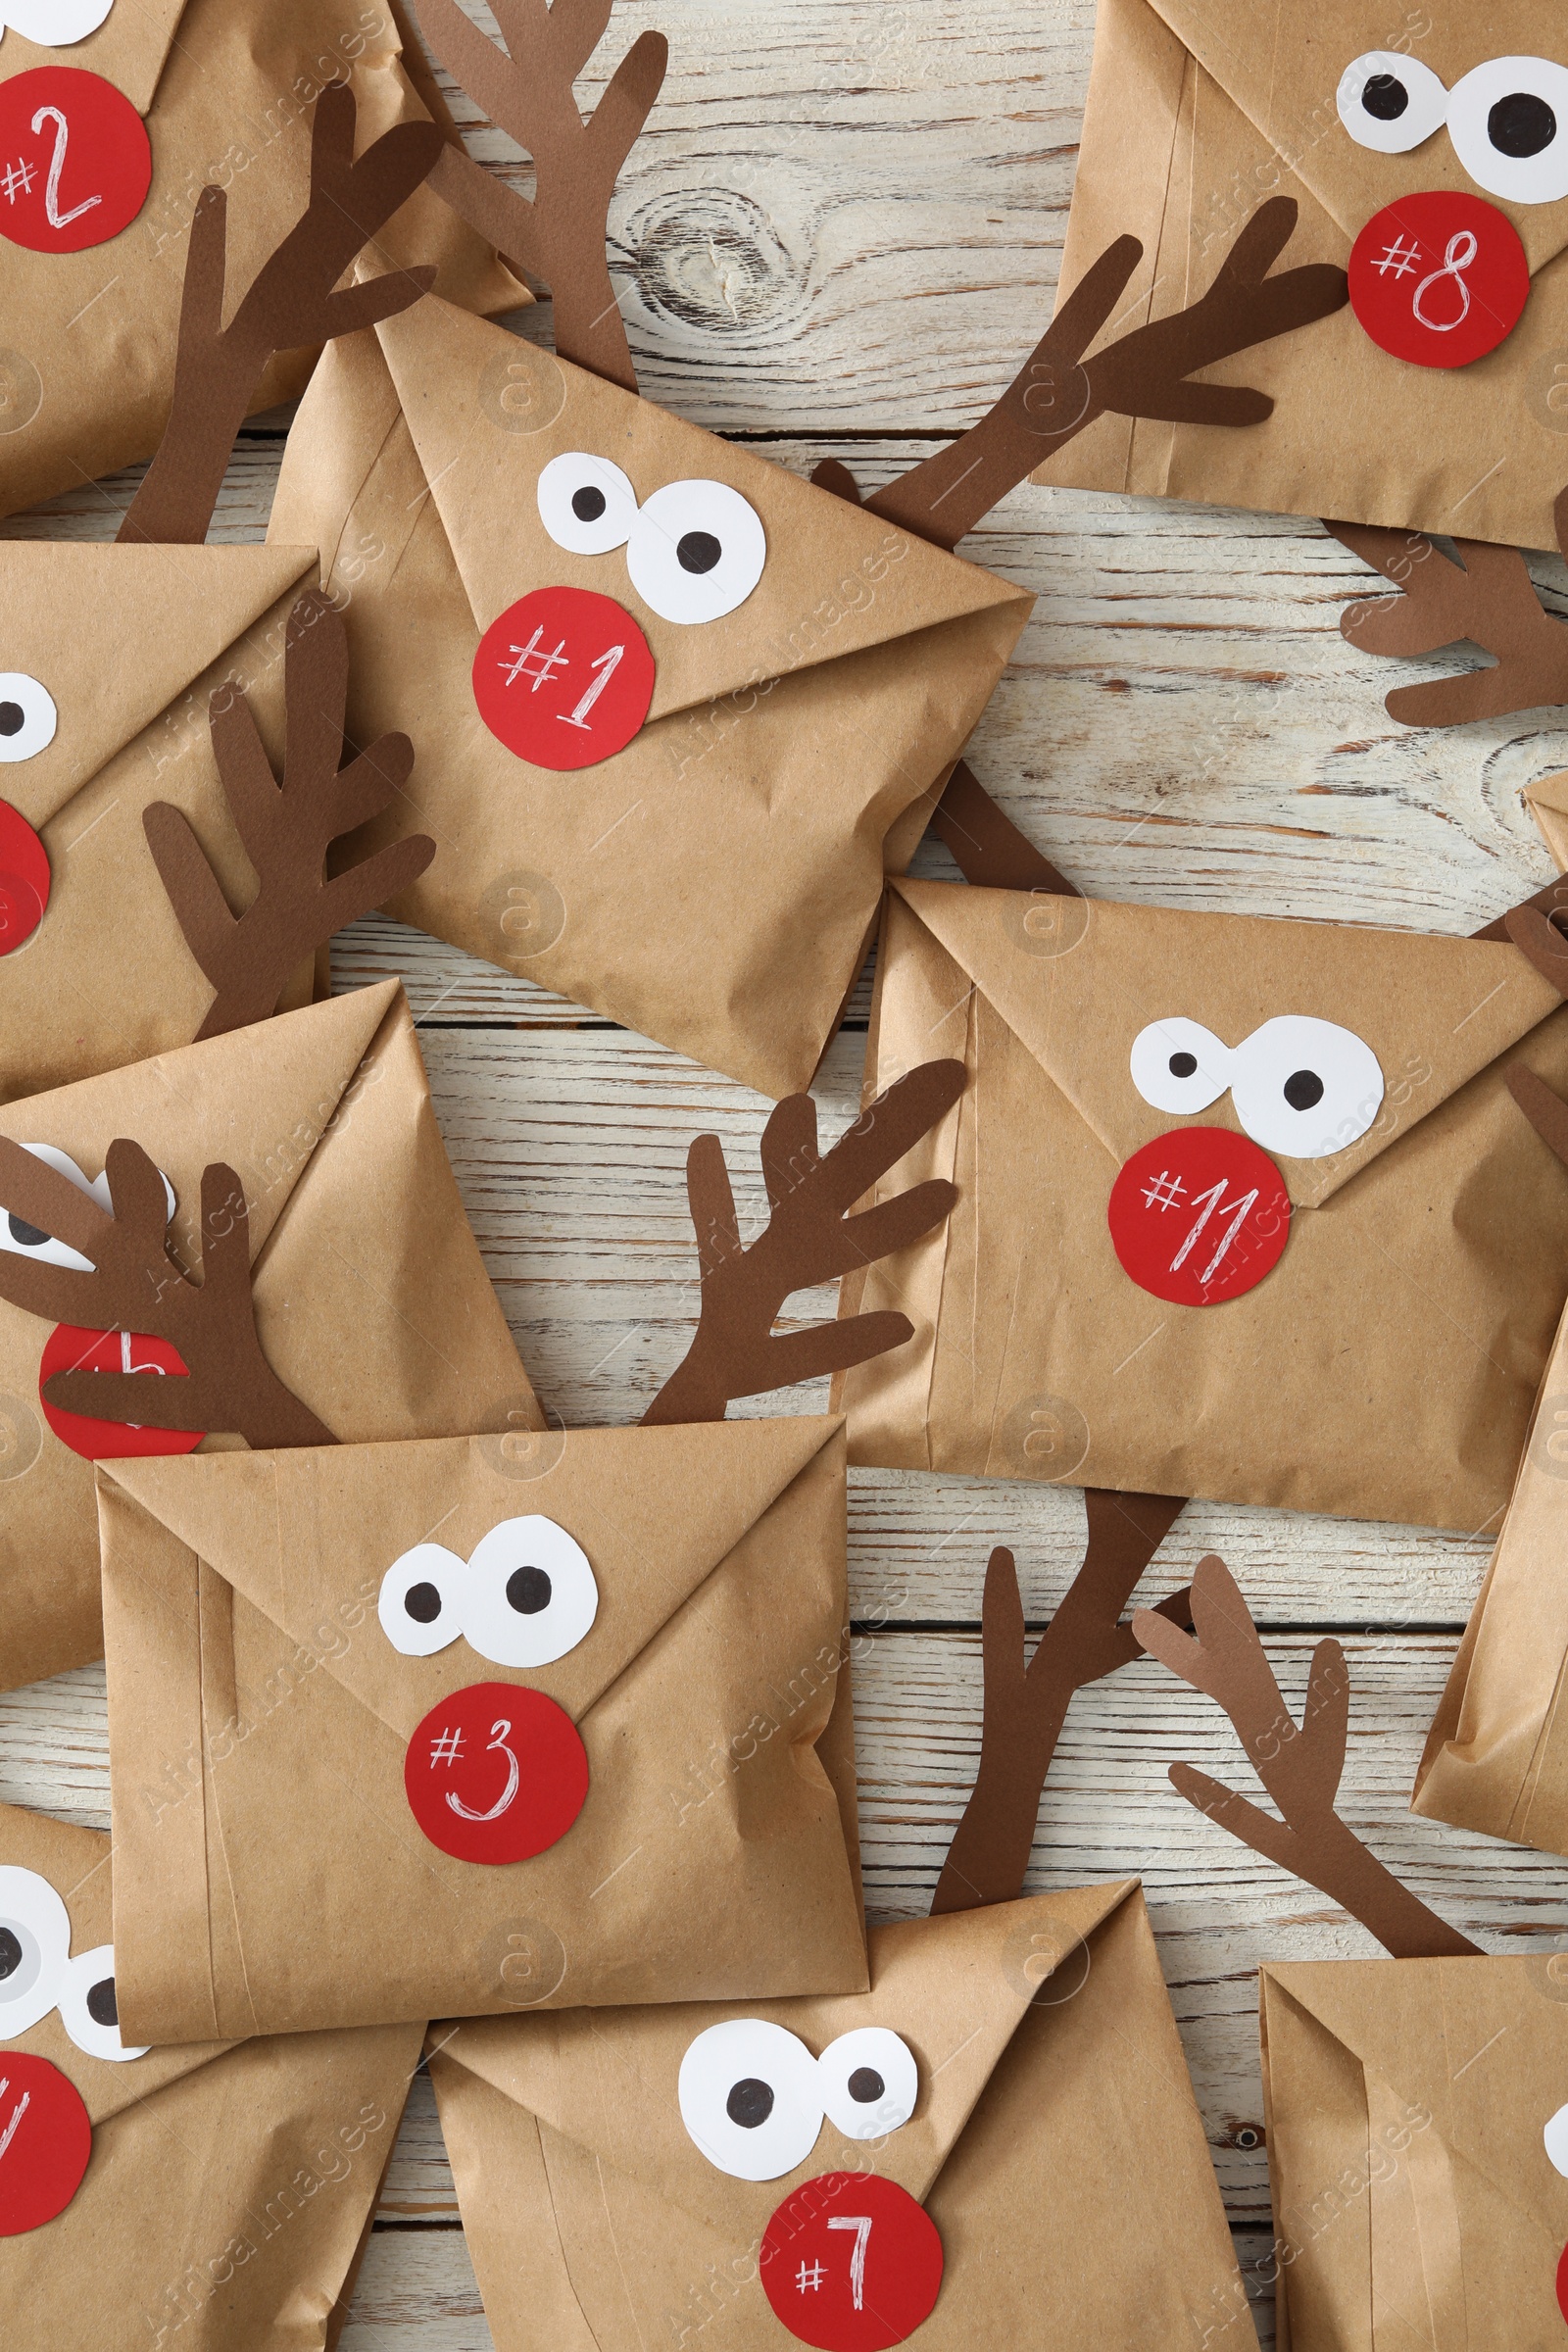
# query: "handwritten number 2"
{"points": [[51, 195]]}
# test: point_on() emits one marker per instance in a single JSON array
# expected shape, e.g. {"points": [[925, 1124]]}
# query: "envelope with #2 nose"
{"points": [[1050, 2083], [1150, 1280], [611, 1745], [1450, 205]]}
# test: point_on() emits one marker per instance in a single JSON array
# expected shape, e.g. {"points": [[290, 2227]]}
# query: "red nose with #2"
{"points": [[496, 1772], [850, 2263], [45, 2142], [563, 678], [23, 879], [1198, 1216], [1439, 279]]}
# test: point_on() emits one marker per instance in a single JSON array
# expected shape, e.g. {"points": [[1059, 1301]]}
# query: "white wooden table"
{"points": [[842, 231]]}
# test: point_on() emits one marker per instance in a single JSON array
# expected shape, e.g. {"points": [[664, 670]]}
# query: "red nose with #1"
{"points": [[45, 2142], [1439, 279], [850, 2262], [23, 879], [1198, 1216], [496, 1772], [563, 678]]}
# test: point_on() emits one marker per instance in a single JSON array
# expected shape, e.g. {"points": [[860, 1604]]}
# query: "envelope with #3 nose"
{"points": [[663, 1805], [184, 2227], [1200, 110], [1157, 1296], [1050, 2084]]}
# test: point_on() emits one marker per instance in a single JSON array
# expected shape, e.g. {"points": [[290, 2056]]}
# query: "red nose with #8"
{"points": [[496, 1772], [1439, 279], [563, 678], [1198, 1216]]}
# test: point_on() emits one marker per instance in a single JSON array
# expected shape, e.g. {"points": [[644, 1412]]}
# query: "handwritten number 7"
{"points": [[861, 2223]]}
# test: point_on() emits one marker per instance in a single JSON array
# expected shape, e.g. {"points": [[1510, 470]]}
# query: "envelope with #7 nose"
{"points": [[1245, 1208], [448, 1714]]}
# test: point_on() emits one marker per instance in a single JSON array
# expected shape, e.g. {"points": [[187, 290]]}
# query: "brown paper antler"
{"points": [[1486, 596], [286, 829], [1025, 1707], [137, 1286], [560, 235], [1299, 1764], [1057, 393], [1547, 1112], [290, 305], [810, 1238], [986, 847]]}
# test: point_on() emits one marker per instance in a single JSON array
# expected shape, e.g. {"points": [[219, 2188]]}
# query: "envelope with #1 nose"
{"points": [[1447, 196]]}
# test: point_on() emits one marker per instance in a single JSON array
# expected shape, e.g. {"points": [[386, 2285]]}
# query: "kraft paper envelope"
{"points": [[1053, 2144], [226, 2192], [1411, 2108], [712, 884], [269, 1742], [1377, 1315], [371, 1304], [1200, 110], [210, 93]]}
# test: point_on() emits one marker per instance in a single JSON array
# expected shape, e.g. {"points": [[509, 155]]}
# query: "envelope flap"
{"points": [[953, 1988], [115, 635], [835, 580], [129, 47], [1280, 64], [1078, 980], [308, 1535]]}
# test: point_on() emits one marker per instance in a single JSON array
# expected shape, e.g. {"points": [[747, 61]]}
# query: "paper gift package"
{"points": [[1433, 415], [1246, 1207], [325, 1701], [207, 2196], [141, 104], [370, 1302]]}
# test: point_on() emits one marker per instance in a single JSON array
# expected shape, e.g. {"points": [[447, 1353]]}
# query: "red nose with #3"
{"points": [[563, 678], [1439, 279], [496, 1772], [45, 2142], [72, 1350], [1198, 1216], [23, 879], [850, 2263]]}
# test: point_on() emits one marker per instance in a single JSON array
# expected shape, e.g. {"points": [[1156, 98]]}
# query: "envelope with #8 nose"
{"points": [[455, 1718], [1200, 110], [1245, 1209]]}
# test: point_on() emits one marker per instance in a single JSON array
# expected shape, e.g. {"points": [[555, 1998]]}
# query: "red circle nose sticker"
{"points": [[23, 879], [45, 2142], [563, 678], [1439, 279], [1198, 1216], [72, 1350], [852, 2263], [1562, 2282], [75, 163], [496, 1772]]}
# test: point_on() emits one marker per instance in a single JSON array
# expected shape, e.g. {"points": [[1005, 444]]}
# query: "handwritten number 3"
{"points": [[498, 1746], [51, 195]]}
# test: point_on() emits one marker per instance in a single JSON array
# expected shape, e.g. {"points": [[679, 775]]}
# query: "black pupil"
{"points": [[10, 1953], [749, 2104], [697, 550], [12, 718], [26, 1236], [588, 504], [1182, 1065], [1521, 125], [528, 1592], [102, 2006], [1303, 1089], [866, 2085], [1384, 97], [423, 1603]]}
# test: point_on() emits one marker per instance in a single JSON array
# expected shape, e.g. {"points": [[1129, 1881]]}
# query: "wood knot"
{"points": [[716, 262]]}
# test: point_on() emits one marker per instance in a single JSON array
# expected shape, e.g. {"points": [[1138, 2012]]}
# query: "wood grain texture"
{"points": [[838, 237]]}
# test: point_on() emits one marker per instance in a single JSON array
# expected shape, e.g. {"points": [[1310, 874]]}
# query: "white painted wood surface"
{"points": [[839, 236]]}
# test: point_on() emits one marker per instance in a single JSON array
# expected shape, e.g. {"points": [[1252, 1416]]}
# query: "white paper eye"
{"points": [[28, 713], [1508, 120], [1178, 1065], [1305, 1088], [586, 505], [869, 2081], [528, 1594], [1390, 102], [35, 1949], [1557, 2139], [751, 2100], [88, 2009], [697, 550], [29, 1240], [54, 24], [417, 1603]]}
